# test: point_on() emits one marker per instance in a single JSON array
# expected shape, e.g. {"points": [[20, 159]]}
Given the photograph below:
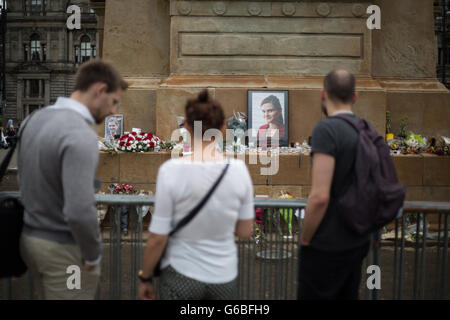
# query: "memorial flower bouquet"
{"points": [[123, 188], [439, 146], [139, 142], [415, 144]]}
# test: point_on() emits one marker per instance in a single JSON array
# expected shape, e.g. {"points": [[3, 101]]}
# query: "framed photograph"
{"points": [[113, 126], [268, 113]]}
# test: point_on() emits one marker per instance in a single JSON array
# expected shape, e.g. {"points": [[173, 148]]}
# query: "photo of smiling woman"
{"points": [[268, 116], [272, 113]]}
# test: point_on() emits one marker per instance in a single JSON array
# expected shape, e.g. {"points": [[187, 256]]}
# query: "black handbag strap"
{"points": [[200, 205], [7, 160]]}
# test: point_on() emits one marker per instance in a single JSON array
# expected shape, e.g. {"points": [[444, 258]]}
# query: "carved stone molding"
{"points": [[288, 9], [220, 8], [184, 8], [358, 10], [254, 9], [323, 10]]}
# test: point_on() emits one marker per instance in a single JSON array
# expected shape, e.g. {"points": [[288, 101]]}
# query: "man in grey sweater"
{"points": [[58, 158]]}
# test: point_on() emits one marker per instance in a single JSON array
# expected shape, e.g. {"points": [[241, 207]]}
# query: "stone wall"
{"points": [[405, 47]]}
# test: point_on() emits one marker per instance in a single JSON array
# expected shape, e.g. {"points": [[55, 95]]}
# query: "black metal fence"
{"points": [[412, 255]]}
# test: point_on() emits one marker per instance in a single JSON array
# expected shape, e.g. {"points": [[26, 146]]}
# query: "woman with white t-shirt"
{"points": [[201, 260]]}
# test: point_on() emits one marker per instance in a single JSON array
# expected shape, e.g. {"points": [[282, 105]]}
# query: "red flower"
{"points": [[439, 152], [138, 139], [149, 135], [128, 144], [122, 143], [152, 144], [134, 133]]}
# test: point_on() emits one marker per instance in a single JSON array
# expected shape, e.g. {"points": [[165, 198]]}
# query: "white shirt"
{"points": [[204, 249]]}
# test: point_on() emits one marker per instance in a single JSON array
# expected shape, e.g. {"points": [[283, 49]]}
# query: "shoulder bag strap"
{"points": [[7, 160]]}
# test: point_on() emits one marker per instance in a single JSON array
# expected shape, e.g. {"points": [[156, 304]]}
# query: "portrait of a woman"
{"points": [[273, 115]]}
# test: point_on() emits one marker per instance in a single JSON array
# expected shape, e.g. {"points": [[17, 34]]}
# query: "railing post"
{"points": [[444, 258], [402, 253], [376, 260]]}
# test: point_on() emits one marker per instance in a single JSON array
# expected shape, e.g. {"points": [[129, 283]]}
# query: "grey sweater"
{"points": [[58, 157]]}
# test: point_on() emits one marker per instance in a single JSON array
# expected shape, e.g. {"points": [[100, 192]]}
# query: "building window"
{"points": [[94, 51], [25, 52], [36, 6], [85, 48], [35, 48], [44, 52], [77, 54], [30, 108], [34, 88]]}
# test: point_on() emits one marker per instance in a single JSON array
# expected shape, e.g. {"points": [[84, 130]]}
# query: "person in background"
{"points": [[201, 260], [56, 179], [11, 135], [3, 142]]}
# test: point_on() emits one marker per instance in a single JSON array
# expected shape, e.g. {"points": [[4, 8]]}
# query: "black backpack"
{"points": [[374, 196], [11, 221], [11, 214]]}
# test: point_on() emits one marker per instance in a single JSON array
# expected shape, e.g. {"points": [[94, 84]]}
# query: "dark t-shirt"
{"points": [[336, 137]]}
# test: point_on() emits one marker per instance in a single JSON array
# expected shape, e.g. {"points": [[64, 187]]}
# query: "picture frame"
{"points": [[113, 126], [267, 110]]}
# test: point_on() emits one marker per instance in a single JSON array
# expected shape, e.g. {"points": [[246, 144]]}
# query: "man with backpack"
{"points": [[343, 207]]}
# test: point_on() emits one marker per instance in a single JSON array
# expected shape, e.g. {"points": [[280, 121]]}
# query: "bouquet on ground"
{"points": [[139, 142]]}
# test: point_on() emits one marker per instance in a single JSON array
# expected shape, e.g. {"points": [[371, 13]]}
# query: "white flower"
{"points": [[128, 148], [123, 148], [140, 147], [134, 146]]}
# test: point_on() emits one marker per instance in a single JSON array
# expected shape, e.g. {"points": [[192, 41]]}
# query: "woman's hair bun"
{"points": [[203, 96]]}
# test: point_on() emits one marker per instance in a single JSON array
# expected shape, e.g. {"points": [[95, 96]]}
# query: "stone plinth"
{"points": [[233, 46], [427, 177]]}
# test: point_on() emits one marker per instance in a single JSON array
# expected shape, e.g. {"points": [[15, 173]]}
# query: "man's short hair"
{"points": [[97, 70], [340, 86]]}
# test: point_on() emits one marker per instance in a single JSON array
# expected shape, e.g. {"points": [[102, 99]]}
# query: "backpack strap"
{"points": [[358, 124]]}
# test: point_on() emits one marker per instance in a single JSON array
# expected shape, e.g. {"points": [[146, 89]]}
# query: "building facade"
{"points": [[42, 54], [442, 40]]}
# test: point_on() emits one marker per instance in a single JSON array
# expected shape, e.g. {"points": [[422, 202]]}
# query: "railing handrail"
{"points": [[115, 199]]}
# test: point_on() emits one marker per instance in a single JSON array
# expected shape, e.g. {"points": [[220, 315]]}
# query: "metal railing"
{"points": [[413, 264]]}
